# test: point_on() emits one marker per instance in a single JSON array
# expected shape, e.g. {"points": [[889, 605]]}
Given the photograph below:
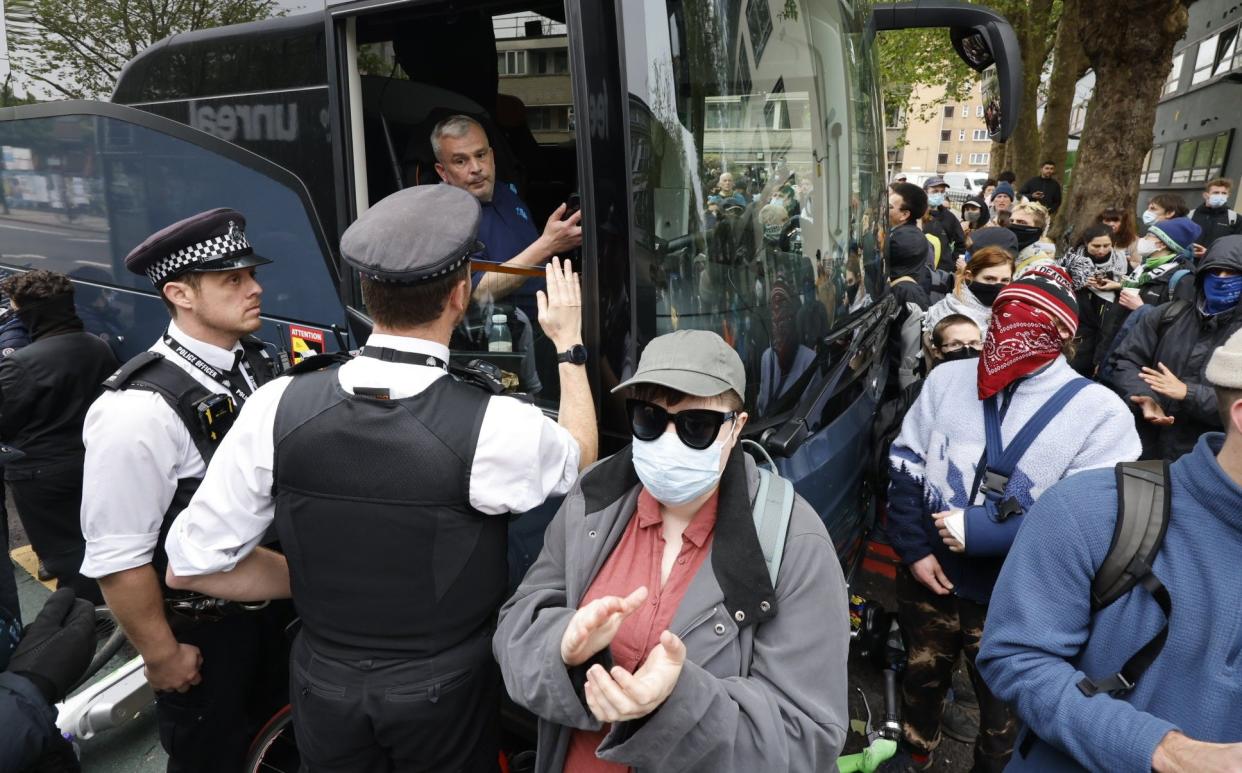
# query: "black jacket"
{"points": [[952, 238], [1215, 223], [1183, 338], [47, 386], [1049, 187]]}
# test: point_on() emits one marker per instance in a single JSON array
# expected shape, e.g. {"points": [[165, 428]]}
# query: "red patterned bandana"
{"points": [[1021, 339]]}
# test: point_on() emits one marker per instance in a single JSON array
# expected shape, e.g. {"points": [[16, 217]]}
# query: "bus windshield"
{"points": [[755, 155]]}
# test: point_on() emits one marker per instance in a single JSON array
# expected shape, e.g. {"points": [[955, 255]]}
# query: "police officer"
{"points": [[388, 481], [148, 439]]}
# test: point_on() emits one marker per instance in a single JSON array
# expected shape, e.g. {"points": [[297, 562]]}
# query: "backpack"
{"points": [[1168, 313], [910, 364], [1143, 503], [774, 503]]}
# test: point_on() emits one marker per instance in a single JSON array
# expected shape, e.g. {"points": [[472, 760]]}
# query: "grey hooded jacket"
{"points": [[764, 683]]}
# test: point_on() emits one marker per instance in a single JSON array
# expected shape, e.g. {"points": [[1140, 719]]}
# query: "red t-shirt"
{"points": [[635, 562]]}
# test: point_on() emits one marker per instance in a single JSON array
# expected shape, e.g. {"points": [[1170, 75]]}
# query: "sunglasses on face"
{"points": [[697, 427]]}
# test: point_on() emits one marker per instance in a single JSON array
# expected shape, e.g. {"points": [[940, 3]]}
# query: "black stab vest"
{"points": [[386, 556]]}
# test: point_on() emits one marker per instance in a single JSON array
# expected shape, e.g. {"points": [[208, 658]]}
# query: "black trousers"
{"points": [[439, 714], [49, 503], [8, 582], [209, 728]]}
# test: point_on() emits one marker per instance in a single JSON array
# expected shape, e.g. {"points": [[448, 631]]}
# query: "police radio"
{"points": [[216, 414]]}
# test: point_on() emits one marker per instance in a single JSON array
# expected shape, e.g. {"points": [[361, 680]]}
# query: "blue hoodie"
{"points": [[1041, 637]]}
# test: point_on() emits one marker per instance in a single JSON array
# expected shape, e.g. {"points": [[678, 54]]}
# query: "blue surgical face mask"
{"points": [[1217, 200], [1221, 293], [673, 472], [935, 200], [1149, 216]]}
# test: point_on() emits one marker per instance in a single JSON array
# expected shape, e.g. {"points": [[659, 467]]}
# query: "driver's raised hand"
{"points": [[560, 233]]}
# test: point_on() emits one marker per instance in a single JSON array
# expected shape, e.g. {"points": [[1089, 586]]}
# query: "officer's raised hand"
{"points": [[176, 670], [560, 307]]}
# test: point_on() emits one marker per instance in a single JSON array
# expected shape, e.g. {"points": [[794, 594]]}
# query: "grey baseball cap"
{"points": [[694, 362]]}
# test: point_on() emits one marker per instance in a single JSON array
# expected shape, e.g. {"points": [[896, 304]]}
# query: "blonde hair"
{"points": [[1037, 211]]}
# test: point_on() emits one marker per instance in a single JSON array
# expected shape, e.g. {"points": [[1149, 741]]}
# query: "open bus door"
{"points": [[86, 182]]}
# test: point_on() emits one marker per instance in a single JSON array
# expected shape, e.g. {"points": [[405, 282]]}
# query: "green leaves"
{"points": [[76, 48]]}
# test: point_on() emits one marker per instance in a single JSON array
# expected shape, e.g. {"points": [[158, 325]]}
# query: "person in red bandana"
{"points": [[982, 442]]}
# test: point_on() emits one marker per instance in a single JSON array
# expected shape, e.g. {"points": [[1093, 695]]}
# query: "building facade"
{"points": [[532, 59], [942, 136], [1200, 108]]}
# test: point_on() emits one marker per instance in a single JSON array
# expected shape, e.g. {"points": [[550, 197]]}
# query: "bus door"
{"points": [[83, 183], [506, 67]]}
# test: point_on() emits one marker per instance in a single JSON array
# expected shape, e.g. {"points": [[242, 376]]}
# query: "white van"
{"points": [[965, 183]]}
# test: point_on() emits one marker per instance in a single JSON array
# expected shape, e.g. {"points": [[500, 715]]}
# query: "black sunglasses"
{"points": [[697, 427]]}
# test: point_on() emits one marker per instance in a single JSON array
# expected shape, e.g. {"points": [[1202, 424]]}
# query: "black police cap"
{"points": [[209, 241], [414, 235]]}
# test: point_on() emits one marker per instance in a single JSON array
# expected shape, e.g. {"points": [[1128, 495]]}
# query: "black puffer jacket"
{"points": [[1183, 338], [46, 387]]}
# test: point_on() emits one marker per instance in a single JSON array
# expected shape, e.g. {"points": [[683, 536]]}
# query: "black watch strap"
{"points": [[574, 355]]}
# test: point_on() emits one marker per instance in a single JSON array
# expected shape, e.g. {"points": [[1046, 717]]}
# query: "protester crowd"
{"points": [[687, 612], [1124, 347]]}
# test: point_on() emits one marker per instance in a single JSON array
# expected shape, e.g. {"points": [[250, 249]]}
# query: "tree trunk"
{"points": [[1069, 63], [996, 161], [1131, 62]]}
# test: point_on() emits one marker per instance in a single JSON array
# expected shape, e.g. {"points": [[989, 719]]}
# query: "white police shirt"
{"points": [[522, 457], [137, 448]]}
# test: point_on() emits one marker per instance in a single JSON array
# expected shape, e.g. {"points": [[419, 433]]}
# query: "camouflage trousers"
{"points": [[937, 629]]}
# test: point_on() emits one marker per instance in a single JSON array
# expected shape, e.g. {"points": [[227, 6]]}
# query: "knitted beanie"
{"points": [[994, 237], [1044, 286], [1225, 367], [1004, 189], [1178, 233]]}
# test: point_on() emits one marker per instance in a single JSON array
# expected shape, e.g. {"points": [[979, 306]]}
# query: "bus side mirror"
{"points": [[982, 38]]}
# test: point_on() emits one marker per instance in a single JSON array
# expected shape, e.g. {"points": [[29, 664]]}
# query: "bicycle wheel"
{"points": [[109, 638], [274, 749]]}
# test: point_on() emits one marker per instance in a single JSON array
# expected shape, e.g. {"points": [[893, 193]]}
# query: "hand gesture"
{"points": [[620, 696], [1163, 382], [560, 307], [561, 235], [927, 571], [1130, 301], [1199, 250], [592, 627], [1152, 411], [947, 536], [178, 671]]}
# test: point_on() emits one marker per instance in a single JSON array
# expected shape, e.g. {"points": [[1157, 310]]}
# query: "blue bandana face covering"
{"points": [[1221, 293]]}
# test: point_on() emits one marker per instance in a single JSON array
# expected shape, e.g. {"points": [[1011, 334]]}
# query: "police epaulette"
{"points": [[319, 362], [123, 374]]}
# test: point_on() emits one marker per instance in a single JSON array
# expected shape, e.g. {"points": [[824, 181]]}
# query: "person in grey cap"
{"points": [[1161, 690], [388, 482], [649, 634], [149, 438]]}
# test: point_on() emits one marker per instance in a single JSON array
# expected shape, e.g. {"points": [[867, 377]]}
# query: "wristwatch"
{"points": [[574, 355]]}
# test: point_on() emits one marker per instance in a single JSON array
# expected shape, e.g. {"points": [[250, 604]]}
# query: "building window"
{"points": [[511, 62], [948, 111], [1226, 47], [549, 62], [1175, 74], [961, 135], [1152, 164], [553, 118], [978, 111], [958, 159], [1215, 55], [942, 159], [979, 135], [1199, 159], [965, 111], [980, 158], [946, 135]]}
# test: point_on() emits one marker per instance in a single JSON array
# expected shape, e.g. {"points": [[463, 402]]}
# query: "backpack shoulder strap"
{"points": [[1233, 218], [1170, 312], [900, 279], [150, 372], [1177, 277], [1143, 507], [1004, 460], [773, 507]]}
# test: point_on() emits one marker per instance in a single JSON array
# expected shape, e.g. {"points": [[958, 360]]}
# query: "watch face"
{"points": [[577, 354]]}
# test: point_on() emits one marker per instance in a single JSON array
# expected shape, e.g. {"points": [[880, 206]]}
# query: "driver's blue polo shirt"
{"points": [[505, 230]]}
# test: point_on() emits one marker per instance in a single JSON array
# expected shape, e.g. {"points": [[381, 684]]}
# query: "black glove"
{"points": [[58, 646]]}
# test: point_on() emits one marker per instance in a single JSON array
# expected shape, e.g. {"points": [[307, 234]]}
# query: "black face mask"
{"points": [[986, 293], [1100, 261], [852, 290], [965, 353], [1027, 234]]}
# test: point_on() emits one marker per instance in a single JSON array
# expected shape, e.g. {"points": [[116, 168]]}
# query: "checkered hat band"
{"points": [[226, 246]]}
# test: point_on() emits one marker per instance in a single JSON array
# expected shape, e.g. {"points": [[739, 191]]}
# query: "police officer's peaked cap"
{"points": [[209, 241], [414, 235]]}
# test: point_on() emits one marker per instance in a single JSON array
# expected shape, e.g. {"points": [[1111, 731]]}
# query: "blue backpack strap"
{"points": [[1001, 462]]}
